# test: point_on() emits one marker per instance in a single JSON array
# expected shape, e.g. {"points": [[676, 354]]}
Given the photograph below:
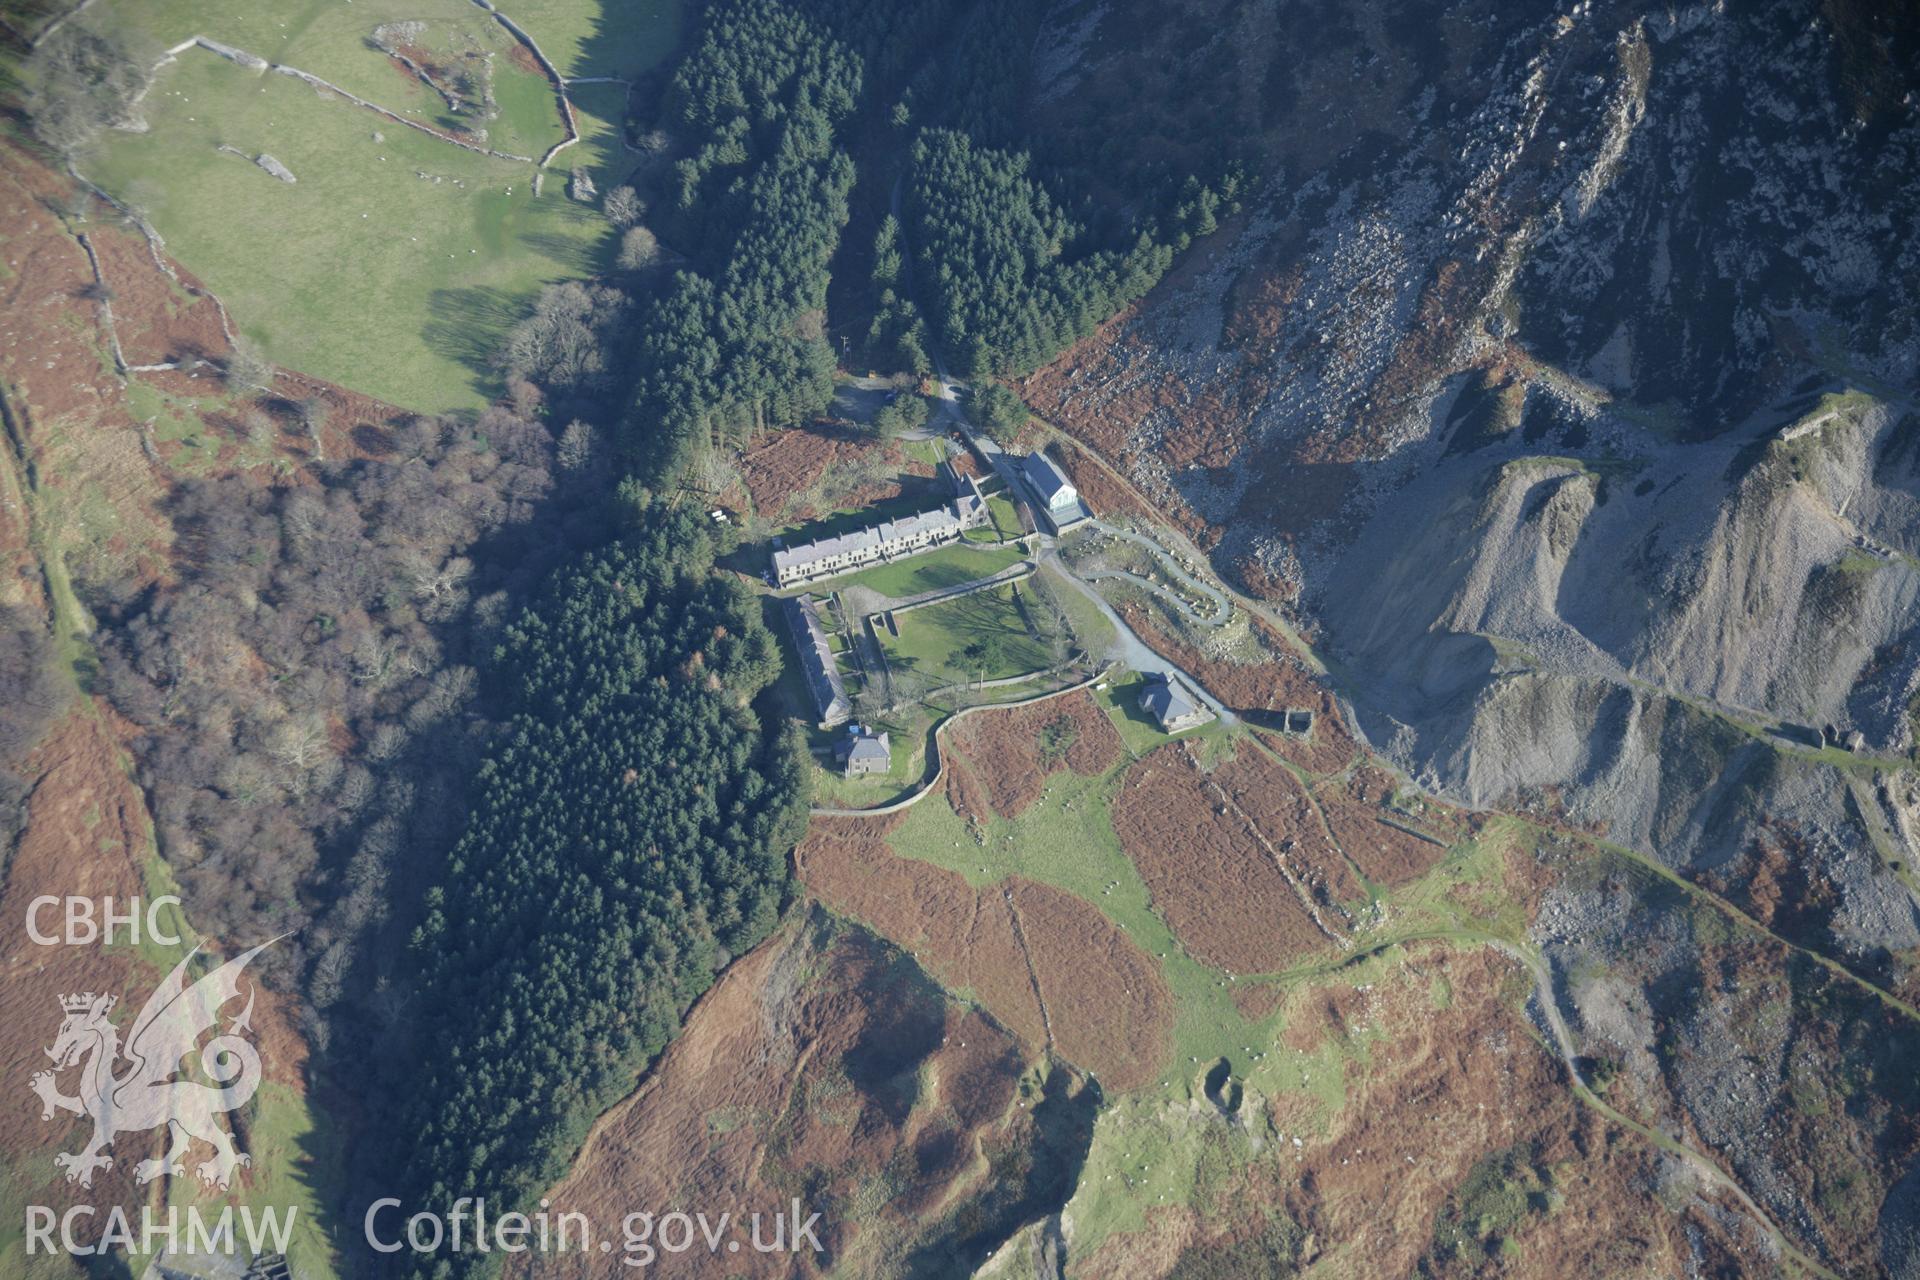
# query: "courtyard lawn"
{"points": [[363, 271], [1004, 526], [950, 566], [934, 639]]}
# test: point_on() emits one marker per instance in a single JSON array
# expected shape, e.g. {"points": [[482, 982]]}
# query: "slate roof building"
{"points": [[865, 752], [1170, 703], [816, 662], [888, 540], [1059, 501], [1050, 484]]}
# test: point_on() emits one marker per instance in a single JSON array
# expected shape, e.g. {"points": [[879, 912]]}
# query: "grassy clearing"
{"points": [[600, 112], [934, 639], [1140, 731], [1092, 628], [330, 40], [908, 731], [1066, 839], [182, 420], [439, 268], [1462, 898], [930, 451], [585, 40], [1004, 526], [950, 566], [529, 111]]}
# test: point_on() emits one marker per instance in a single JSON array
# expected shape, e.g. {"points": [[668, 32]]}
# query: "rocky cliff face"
{"points": [[1561, 380], [1561, 383]]}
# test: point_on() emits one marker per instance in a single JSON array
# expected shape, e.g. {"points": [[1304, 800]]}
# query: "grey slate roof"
{"points": [[868, 747], [940, 524], [816, 661], [1168, 700], [1046, 478]]}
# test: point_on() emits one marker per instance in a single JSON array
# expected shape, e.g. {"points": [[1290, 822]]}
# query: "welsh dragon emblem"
{"points": [[146, 1095]]}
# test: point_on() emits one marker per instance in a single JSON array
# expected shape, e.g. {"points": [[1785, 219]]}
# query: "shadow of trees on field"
{"points": [[939, 577], [580, 257], [468, 324]]}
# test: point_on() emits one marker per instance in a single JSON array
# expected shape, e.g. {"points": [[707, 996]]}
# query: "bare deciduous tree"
{"points": [[81, 81], [638, 249], [623, 207], [259, 427], [248, 369], [314, 412], [299, 742], [565, 343]]}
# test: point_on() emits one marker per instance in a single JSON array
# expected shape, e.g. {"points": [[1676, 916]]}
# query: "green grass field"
{"points": [[950, 566], [908, 731], [329, 40], [1140, 731], [1092, 629], [363, 272], [933, 639], [1005, 524], [1146, 1150], [582, 41]]}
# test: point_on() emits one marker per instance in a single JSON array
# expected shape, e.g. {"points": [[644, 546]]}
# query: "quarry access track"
{"points": [[1223, 607], [1562, 1038]]}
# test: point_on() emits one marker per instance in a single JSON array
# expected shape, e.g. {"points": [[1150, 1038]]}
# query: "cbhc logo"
{"points": [[81, 924]]}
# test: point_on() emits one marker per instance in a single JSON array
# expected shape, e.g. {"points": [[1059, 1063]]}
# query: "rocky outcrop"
{"points": [[1644, 645], [1560, 383], [1580, 438]]}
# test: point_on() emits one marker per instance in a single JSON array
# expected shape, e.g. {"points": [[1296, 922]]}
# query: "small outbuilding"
{"points": [[1172, 704]]}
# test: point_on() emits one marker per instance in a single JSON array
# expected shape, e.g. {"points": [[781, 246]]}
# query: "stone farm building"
{"points": [[1168, 701], [888, 540], [816, 662], [865, 752]]}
